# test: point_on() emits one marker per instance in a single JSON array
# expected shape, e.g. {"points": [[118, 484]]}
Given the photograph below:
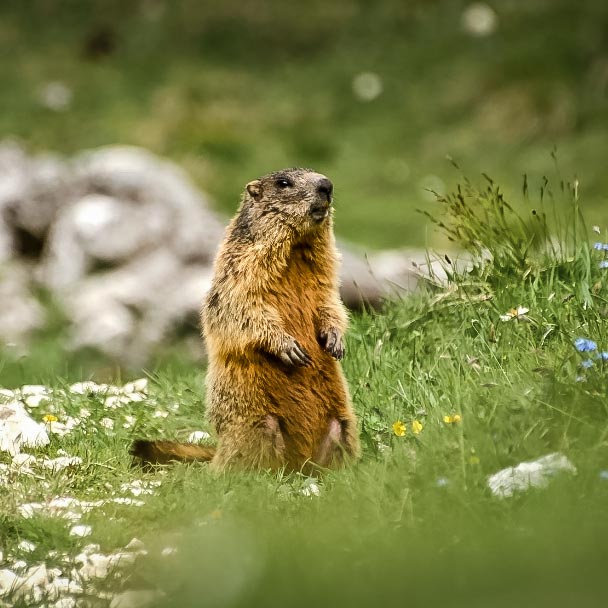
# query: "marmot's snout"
{"points": [[319, 210], [325, 188]]}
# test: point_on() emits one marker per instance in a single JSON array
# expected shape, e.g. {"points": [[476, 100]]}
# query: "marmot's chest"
{"points": [[296, 296]]}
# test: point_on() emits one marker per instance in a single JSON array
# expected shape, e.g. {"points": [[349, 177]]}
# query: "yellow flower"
{"points": [[452, 419], [399, 428], [473, 459], [416, 427], [50, 418]]}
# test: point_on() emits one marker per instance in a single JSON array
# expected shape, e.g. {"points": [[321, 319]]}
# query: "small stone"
{"points": [[26, 546], [198, 436], [135, 545], [137, 386], [81, 530]]}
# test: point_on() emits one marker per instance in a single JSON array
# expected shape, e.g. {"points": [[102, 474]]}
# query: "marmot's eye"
{"points": [[284, 183]]}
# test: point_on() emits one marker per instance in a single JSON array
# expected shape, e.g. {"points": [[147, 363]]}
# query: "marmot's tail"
{"points": [[163, 452]]}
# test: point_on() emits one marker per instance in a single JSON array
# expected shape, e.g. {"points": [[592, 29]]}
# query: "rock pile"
{"points": [[124, 242]]}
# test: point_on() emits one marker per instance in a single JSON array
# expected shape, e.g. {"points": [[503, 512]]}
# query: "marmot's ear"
{"points": [[254, 188]]}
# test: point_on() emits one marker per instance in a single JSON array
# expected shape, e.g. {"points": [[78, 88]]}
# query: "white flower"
{"points": [[160, 414], [56, 96], [129, 422], [168, 551], [519, 314], [596, 229], [367, 86], [479, 19]]}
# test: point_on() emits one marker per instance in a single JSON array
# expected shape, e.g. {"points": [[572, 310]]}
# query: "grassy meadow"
{"points": [[473, 374], [375, 95]]}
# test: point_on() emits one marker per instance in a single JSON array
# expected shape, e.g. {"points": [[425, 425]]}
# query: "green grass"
{"points": [[413, 522], [231, 92]]}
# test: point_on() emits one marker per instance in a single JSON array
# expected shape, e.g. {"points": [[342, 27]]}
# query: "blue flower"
{"points": [[587, 363], [598, 246], [583, 345], [603, 356], [604, 264], [605, 246]]}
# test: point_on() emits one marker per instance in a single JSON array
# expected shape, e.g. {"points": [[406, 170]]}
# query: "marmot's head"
{"points": [[299, 198]]}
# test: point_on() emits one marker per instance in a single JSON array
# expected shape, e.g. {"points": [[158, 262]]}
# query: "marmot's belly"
{"points": [[304, 399]]}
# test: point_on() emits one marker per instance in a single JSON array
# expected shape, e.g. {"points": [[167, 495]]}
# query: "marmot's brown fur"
{"points": [[273, 324]]}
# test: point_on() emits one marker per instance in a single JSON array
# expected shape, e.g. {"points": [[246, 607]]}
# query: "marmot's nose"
{"points": [[325, 187]]}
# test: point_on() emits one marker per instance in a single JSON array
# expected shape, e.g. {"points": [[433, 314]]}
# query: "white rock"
{"points": [[107, 423], [26, 546], [81, 531], [311, 489], [136, 546], [34, 389], [8, 581], [136, 386], [536, 473], [134, 599], [198, 436], [24, 460], [35, 576], [18, 429], [57, 464], [35, 400]]}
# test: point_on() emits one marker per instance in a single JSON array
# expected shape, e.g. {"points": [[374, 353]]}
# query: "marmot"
{"points": [[273, 323]]}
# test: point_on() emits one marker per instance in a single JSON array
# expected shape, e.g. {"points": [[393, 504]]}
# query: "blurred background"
{"points": [[374, 94]]}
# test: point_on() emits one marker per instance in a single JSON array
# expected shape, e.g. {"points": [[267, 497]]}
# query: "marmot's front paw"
{"points": [[331, 340], [293, 353]]}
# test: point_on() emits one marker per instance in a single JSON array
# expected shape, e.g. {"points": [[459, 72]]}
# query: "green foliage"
{"points": [[232, 90]]}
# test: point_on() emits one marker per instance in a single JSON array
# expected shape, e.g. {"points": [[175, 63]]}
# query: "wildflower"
{"points": [[596, 229], [50, 418], [604, 264], [442, 482], [474, 459], [452, 419], [518, 313], [604, 475], [587, 363], [416, 427], [603, 356], [598, 246], [399, 428], [583, 345]]}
